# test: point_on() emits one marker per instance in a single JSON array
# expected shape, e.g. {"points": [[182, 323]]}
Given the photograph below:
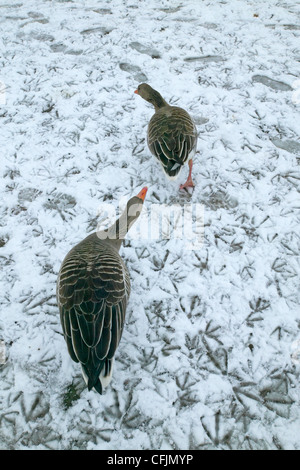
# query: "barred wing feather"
{"points": [[93, 291], [172, 138]]}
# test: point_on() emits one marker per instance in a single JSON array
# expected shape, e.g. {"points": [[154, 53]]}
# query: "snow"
{"points": [[207, 358]]}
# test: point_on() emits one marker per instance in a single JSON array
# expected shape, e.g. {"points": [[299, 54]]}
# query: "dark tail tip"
{"points": [[92, 377], [96, 385], [173, 168]]}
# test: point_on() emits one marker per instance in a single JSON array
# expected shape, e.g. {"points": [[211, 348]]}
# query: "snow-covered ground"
{"points": [[209, 358]]}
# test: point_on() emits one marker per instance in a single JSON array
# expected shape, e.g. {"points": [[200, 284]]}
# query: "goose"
{"points": [[171, 136], [93, 289]]}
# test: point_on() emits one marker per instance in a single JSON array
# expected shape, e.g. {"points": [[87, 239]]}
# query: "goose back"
{"points": [[172, 138], [93, 289]]}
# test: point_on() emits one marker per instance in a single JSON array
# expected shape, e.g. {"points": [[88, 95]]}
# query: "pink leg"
{"points": [[189, 182]]}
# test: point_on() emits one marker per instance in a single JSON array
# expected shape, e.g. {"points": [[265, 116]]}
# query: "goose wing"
{"points": [[172, 136], [92, 293]]}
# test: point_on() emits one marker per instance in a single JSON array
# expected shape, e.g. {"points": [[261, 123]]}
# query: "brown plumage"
{"points": [[93, 289], [172, 134]]}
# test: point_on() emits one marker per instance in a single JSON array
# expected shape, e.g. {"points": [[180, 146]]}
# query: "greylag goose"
{"points": [[172, 135], [93, 289]]}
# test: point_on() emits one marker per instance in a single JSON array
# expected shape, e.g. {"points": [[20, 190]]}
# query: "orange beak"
{"points": [[136, 91], [142, 194]]}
